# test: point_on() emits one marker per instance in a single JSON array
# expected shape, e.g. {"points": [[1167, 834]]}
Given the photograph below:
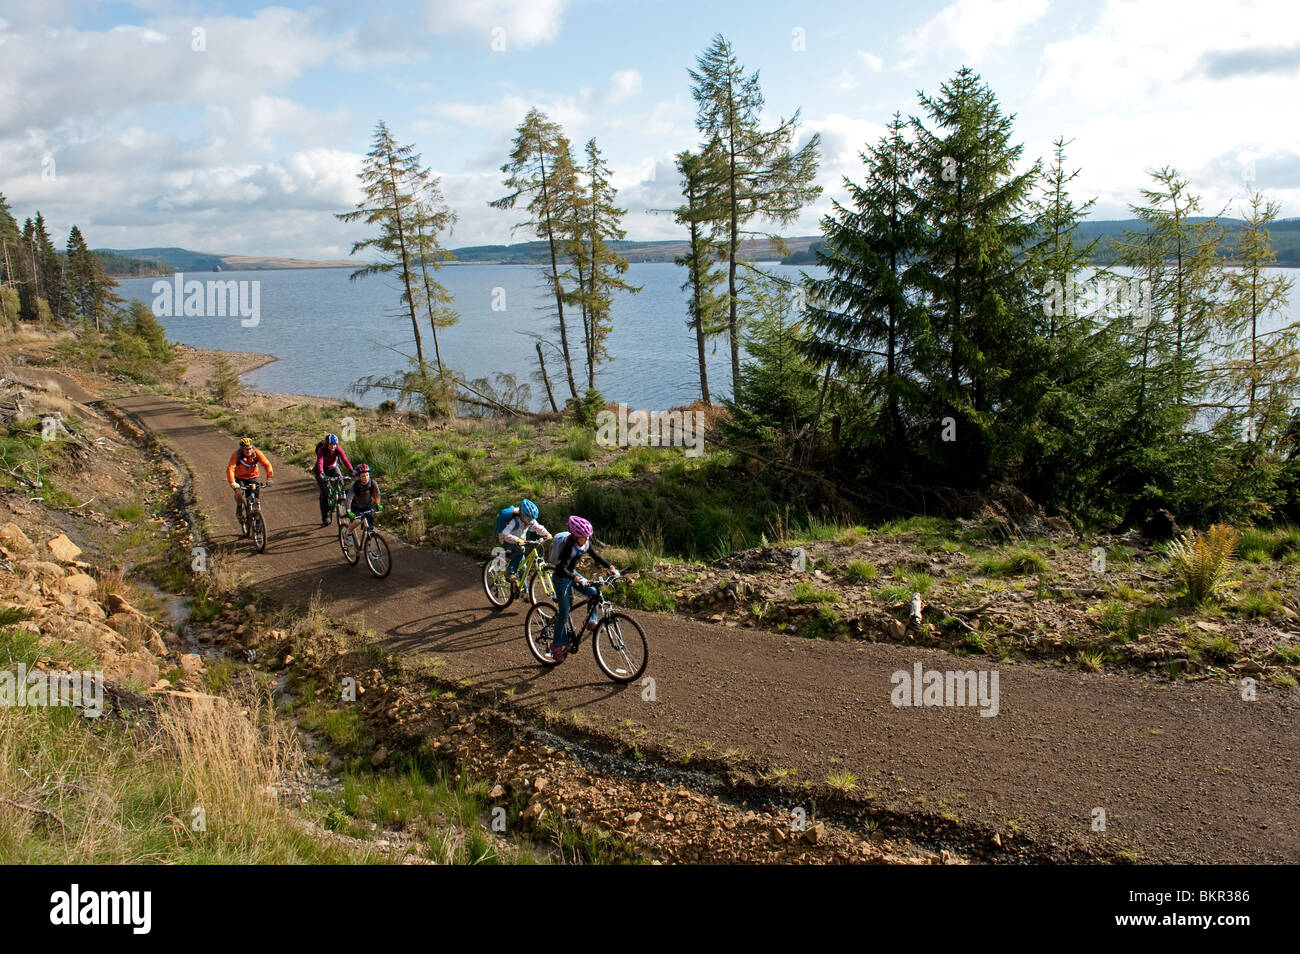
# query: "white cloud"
{"points": [[623, 84], [972, 26], [871, 61], [526, 23]]}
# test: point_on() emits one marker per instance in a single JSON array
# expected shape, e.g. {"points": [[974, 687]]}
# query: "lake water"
{"points": [[329, 331]]}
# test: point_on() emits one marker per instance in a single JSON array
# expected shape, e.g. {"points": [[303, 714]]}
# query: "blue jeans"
{"points": [[564, 587], [516, 553]]}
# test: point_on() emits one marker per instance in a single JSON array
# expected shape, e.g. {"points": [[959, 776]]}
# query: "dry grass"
{"points": [[231, 754], [75, 791]]}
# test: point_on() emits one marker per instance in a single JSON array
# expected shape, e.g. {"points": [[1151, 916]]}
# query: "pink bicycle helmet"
{"points": [[579, 527]]}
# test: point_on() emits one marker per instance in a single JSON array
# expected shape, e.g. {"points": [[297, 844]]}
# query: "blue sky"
{"points": [[110, 118]]}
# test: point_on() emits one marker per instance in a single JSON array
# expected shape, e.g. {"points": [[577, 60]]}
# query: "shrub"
{"points": [[224, 385], [1020, 561], [805, 592], [1201, 561], [646, 593], [859, 571]]}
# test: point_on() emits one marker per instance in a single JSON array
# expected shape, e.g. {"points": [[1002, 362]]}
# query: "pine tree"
{"points": [[764, 177], [593, 223], [389, 177], [49, 269], [982, 307], [866, 320], [707, 310], [541, 170], [1260, 380], [776, 394], [1179, 256], [431, 216]]}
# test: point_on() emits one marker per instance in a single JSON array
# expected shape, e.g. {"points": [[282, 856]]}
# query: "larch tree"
{"points": [[765, 177], [389, 181], [541, 172], [707, 309]]}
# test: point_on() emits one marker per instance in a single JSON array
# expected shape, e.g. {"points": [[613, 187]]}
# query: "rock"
{"points": [[539, 785], [155, 645], [815, 834], [12, 536], [80, 583], [631, 819], [47, 571], [191, 664], [131, 669], [1208, 627], [896, 629], [116, 603], [997, 840], [64, 550], [380, 754], [498, 791]]}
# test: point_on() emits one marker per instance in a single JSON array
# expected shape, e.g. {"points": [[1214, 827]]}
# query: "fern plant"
{"points": [[1202, 560]]}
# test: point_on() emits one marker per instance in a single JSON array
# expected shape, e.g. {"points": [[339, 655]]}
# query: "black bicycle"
{"points": [[617, 640], [337, 496], [371, 543], [249, 512]]}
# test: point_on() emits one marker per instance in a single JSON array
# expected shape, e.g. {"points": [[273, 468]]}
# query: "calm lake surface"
{"points": [[329, 331]]}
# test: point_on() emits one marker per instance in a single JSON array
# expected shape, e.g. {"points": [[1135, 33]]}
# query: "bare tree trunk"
{"points": [[546, 379]]}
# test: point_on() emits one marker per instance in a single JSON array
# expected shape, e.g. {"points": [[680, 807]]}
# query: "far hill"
{"points": [[538, 253], [183, 260], [1285, 234]]}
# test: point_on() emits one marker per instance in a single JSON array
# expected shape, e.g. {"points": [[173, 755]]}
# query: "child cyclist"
{"points": [[565, 558], [515, 523], [363, 498]]}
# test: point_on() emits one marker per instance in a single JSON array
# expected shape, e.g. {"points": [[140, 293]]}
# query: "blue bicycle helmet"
{"points": [[332, 439], [529, 509]]}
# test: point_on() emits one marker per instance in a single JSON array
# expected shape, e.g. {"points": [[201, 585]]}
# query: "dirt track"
{"points": [[1185, 772]]}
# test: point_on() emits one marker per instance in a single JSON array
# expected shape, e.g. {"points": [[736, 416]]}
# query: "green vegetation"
{"points": [[805, 592]]}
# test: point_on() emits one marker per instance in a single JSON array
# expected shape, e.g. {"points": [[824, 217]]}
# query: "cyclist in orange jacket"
{"points": [[244, 466]]}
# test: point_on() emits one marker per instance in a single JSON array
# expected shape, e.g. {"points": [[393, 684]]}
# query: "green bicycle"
{"points": [[501, 590], [338, 496]]}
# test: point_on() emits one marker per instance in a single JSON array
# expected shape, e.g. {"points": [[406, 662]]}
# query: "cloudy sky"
{"points": [[238, 128]]}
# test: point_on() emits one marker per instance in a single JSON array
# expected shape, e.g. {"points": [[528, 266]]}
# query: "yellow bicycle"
{"points": [[501, 590]]}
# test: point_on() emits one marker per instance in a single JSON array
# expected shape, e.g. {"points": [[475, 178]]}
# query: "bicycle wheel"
{"points": [[496, 584], [348, 544], [537, 588], [377, 556], [620, 648], [539, 628], [257, 530]]}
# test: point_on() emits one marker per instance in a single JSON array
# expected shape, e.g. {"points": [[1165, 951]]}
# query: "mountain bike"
{"points": [[616, 638], [249, 512], [371, 543], [337, 496], [501, 590]]}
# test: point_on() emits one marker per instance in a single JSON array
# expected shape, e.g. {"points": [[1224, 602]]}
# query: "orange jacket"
{"points": [[238, 469]]}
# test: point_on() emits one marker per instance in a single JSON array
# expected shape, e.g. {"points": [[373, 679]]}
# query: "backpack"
{"points": [[557, 547], [504, 517]]}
